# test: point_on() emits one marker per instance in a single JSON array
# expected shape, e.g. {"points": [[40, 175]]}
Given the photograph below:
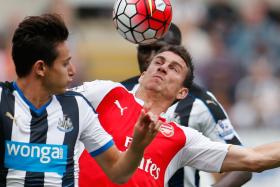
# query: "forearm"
{"points": [[233, 179], [255, 159], [119, 166], [126, 165], [269, 156]]}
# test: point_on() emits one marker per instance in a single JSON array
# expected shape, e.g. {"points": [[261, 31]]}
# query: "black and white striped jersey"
{"points": [[199, 110], [40, 147]]}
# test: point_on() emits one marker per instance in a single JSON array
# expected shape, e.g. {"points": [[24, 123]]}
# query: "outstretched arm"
{"points": [[120, 166], [255, 159]]}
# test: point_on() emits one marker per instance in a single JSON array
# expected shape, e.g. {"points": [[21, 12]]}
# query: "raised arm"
{"points": [[120, 166], [255, 159]]}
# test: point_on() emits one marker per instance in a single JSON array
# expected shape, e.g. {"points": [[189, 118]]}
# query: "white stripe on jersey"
{"points": [[20, 133]]}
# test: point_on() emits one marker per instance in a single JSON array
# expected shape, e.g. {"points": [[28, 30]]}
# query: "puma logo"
{"points": [[120, 107], [9, 115]]}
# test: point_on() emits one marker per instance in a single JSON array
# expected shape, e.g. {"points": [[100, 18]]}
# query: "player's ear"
{"points": [[182, 93], [39, 68]]}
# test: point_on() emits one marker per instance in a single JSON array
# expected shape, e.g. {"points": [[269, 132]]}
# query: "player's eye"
{"points": [[157, 62], [66, 63], [174, 68]]}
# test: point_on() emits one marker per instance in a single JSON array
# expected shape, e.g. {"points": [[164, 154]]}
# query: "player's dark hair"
{"points": [[145, 52], [36, 38], [184, 54], [173, 36]]}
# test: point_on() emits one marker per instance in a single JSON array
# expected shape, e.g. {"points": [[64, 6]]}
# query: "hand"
{"points": [[146, 128]]}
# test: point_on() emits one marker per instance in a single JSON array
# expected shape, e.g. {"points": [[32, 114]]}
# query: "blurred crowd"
{"points": [[236, 52], [235, 48]]}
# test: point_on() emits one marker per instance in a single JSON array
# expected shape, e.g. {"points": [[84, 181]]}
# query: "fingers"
{"points": [[150, 121], [142, 115], [158, 124], [155, 123], [144, 118]]}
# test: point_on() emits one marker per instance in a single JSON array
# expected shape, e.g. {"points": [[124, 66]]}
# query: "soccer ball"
{"points": [[142, 21]]}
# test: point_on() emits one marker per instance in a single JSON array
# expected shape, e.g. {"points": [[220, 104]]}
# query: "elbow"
{"points": [[249, 176], [246, 176]]}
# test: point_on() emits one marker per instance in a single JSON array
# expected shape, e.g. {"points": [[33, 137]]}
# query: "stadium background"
{"points": [[235, 46]]}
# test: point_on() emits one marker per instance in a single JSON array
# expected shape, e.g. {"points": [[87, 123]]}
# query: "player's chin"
{"points": [[60, 90]]}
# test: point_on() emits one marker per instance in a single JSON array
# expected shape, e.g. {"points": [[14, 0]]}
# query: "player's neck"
{"points": [[156, 102], [33, 91]]}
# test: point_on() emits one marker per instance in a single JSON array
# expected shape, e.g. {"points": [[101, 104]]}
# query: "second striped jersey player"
{"points": [[201, 111]]}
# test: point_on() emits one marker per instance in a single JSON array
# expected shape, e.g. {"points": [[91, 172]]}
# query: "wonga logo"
{"points": [[35, 157]]}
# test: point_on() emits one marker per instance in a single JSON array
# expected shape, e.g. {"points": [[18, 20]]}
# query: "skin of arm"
{"points": [[255, 159], [119, 166]]}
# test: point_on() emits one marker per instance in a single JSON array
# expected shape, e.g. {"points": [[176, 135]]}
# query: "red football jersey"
{"points": [[174, 146]]}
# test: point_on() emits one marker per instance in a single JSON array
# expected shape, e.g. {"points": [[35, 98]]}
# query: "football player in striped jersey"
{"points": [[42, 125]]}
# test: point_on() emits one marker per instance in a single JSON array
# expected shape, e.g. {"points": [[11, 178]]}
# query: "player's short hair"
{"points": [[144, 52], [184, 54], [172, 37], [36, 38]]}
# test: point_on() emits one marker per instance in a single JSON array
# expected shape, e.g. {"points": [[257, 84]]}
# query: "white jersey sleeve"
{"points": [[95, 139], [202, 153], [96, 90]]}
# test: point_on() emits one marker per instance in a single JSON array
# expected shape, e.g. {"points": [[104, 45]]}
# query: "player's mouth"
{"points": [[158, 77]]}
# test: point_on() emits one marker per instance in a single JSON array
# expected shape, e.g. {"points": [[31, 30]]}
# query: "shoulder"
{"points": [[7, 86], [197, 92], [97, 86], [96, 91], [6, 91], [209, 102], [198, 100], [72, 97]]}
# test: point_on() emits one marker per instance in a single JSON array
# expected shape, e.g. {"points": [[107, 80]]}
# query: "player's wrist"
{"points": [[136, 148]]}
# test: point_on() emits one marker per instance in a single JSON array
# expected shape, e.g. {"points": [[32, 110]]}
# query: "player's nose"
{"points": [[72, 70], [163, 68]]}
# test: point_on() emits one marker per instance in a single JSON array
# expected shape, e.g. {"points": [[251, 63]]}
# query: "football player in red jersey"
{"points": [[199, 110], [167, 79]]}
